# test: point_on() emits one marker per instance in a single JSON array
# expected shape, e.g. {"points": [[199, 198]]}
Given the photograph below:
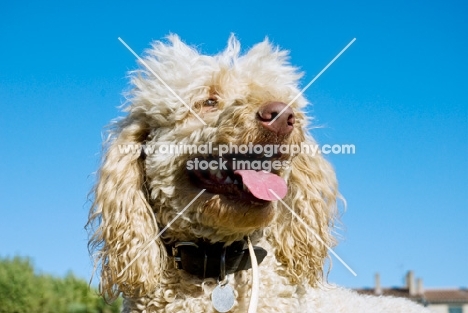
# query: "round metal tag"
{"points": [[223, 298]]}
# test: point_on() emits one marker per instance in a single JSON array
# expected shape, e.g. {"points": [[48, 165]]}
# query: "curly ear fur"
{"points": [[312, 196], [125, 218]]}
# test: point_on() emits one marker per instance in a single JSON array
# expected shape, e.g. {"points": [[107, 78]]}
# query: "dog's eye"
{"points": [[210, 102]]}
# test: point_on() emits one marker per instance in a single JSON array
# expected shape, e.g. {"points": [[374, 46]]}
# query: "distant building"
{"points": [[437, 300]]}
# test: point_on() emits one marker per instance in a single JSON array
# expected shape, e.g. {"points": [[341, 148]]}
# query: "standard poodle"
{"points": [[208, 198]]}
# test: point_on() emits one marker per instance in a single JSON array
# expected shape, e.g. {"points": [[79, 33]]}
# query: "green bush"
{"points": [[22, 290]]}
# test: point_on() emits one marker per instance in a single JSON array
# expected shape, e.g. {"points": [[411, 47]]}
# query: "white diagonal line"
{"points": [[314, 233], [313, 80], [161, 80], [161, 232]]}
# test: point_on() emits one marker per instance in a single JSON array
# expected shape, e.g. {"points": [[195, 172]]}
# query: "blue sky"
{"points": [[399, 94]]}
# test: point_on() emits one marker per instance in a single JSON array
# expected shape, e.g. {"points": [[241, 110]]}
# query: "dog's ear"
{"points": [[121, 218], [301, 238]]}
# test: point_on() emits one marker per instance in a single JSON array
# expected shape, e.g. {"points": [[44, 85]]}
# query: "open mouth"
{"points": [[238, 177]]}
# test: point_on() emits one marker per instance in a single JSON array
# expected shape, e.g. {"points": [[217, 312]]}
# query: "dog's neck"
{"points": [[212, 260]]}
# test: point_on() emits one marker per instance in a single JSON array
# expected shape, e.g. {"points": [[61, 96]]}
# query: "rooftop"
{"points": [[415, 291], [446, 295]]}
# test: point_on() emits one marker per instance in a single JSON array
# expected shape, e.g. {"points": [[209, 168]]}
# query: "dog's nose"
{"points": [[283, 122]]}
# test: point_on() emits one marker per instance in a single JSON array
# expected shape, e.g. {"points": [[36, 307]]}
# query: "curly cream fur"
{"points": [[136, 196]]}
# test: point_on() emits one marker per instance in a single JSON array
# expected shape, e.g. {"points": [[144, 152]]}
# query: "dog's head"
{"points": [[227, 124]]}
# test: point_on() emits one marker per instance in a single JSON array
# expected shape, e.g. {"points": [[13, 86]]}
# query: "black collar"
{"points": [[213, 260]]}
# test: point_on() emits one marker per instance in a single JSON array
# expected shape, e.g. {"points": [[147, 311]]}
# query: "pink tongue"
{"points": [[260, 182]]}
